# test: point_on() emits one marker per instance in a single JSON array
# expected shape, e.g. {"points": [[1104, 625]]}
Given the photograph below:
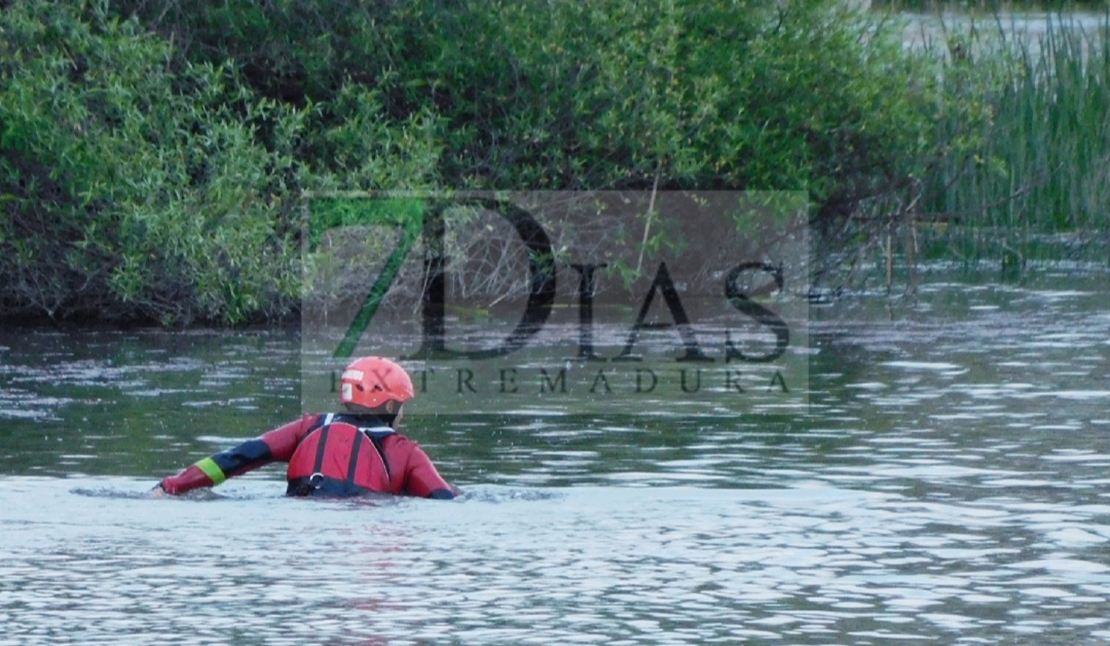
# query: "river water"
{"points": [[948, 485], [1028, 29]]}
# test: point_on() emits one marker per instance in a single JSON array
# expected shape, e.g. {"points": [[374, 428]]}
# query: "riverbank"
{"points": [[158, 165]]}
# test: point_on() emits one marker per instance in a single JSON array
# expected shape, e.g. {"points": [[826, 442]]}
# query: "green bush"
{"points": [[596, 94], [729, 94], [130, 188], [154, 156], [137, 184]]}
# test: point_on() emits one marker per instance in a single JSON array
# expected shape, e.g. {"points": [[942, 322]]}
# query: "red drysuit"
{"points": [[334, 454]]}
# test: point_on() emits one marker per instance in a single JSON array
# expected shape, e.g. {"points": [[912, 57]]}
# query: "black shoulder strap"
{"points": [[322, 423], [321, 448], [359, 437]]}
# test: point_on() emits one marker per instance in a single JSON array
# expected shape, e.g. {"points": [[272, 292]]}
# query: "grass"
{"points": [[989, 6], [1035, 182]]}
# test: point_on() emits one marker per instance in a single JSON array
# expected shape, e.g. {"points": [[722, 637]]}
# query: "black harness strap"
{"points": [[316, 483], [320, 450], [354, 460]]}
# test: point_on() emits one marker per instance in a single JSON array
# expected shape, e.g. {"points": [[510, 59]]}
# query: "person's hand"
{"points": [[157, 492]]}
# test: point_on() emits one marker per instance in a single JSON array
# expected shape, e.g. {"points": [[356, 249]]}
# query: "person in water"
{"points": [[337, 454]]}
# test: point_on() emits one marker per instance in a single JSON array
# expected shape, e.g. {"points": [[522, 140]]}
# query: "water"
{"points": [[949, 485], [1029, 28]]}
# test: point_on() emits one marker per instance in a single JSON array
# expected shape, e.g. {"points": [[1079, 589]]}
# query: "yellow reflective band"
{"points": [[212, 470]]}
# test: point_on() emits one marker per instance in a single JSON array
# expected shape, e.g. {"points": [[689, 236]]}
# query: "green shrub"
{"points": [[133, 189], [729, 94], [137, 184], [594, 94], [154, 156]]}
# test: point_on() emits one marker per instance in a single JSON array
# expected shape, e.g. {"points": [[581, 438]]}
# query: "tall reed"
{"points": [[985, 5], [1035, 181]]}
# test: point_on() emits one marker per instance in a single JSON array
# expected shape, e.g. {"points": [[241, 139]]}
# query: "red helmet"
{"points": [[371, 382]]}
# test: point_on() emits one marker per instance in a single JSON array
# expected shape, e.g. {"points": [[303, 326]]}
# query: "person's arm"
{"points": [[277, 444], [421, 479]]}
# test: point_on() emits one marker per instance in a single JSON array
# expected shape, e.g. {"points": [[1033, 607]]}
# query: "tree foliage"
{"points": [[153, 156], [140, 184]]}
